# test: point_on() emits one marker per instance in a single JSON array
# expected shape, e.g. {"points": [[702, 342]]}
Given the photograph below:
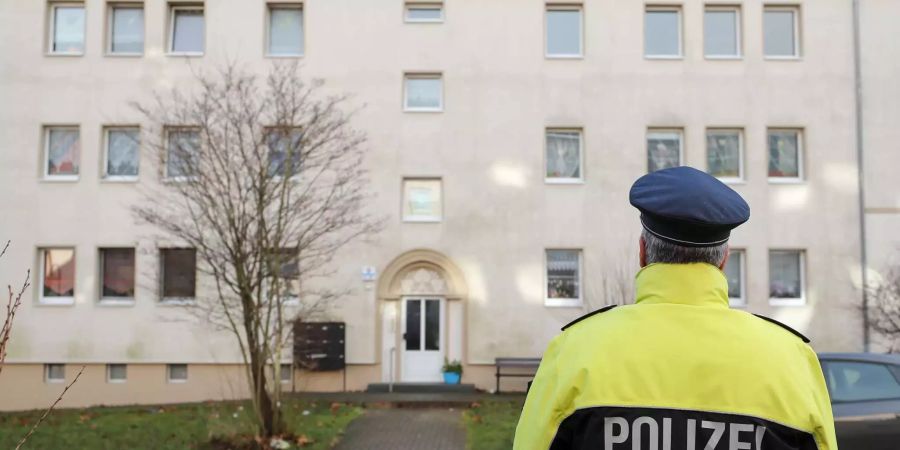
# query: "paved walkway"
{"points": [[406, 429]]}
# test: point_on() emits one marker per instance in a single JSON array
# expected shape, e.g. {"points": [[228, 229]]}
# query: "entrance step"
{"points": [[422, 388]]}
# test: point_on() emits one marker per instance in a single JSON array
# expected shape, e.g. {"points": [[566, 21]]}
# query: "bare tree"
{"points": [[263, 177], [613, 283], [884, 307]]}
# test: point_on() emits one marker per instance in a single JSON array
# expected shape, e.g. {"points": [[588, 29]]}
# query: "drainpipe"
{"points": [[860, 161]]}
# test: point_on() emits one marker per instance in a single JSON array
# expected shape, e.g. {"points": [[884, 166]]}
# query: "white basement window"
{"points": [[116, 373], [55, 373], [177, 373]]}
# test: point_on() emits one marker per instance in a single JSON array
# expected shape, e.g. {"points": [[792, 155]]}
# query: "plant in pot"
{"points": [[452, 371]]}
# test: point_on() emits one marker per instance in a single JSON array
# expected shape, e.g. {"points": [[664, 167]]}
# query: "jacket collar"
{"points": [[696, 284]]}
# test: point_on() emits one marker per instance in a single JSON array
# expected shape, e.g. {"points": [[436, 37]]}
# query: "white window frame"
{"points": [[798, 301], [173, 7], [420, 219], [407, 6], [165, 167], [740, 302], [564, 302], [423, 76], [268, 40], [47, 378], [51, 32], [560, 180], [42, 256], [801, 151], [105, 162], [797, 51], [169, 378], [741, 178], [45, 161], [669, 8], [655, 130], [738, 30], [163, 300], [564, 7], [110, 10], [113, 300], [110, 379]]}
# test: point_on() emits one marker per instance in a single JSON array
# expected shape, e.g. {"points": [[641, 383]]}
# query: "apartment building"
{"points": [[503, 139]]}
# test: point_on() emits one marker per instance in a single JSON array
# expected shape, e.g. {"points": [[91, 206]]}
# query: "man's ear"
{"points": [[725, 261], [642, 244]]}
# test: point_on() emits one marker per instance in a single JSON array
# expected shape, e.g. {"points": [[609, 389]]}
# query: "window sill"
{"points": [[63, 54], [421, 220], [738, 304], [781, 58], [424, 21], [563, 302], [187, 54], [116, 381], [576, 57], [732, 180], [179, 179], [723, 57], [176, 302], [60, 178], [285, 56], [564, 181], [778, 180], [787, 301], [56, 301], [116, 302], [664, 57], [49, 381], [119, 179], [424, 110], [123, 55], [176, 381]]}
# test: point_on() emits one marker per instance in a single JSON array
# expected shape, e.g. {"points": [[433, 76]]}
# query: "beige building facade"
{"points": [[503, 138]]}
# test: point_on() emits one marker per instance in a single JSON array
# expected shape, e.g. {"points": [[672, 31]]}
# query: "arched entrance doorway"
{"points": [[421, 298]]}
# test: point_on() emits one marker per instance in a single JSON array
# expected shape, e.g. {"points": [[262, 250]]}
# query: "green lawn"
{"points": [[491, 425], [188, 426]]}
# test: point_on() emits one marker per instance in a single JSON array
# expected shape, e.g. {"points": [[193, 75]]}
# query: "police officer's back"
{"points": [[679, 369]]}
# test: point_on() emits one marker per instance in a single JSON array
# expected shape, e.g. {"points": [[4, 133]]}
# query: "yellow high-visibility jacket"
{"points": [[678, 370]]}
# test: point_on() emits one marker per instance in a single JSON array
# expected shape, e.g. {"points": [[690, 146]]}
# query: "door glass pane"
{"points": [[663, 150], [723, 154], [784, 274], [286, 31], [118, 272], [63, 151], [855, 381], [188, 33], [127, 30], [778, 33], [563, 154], [122, 152], [59, 272], [68, 32], [413, 325], [720, 33], [564, 32], [661, 35], [432, 324], [784, 154]]}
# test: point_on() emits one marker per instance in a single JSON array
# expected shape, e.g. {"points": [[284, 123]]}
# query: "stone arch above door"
{"points": [[421, 272]]}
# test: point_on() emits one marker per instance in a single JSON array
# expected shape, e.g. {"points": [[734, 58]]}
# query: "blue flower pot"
{"points": [[451, 378]]}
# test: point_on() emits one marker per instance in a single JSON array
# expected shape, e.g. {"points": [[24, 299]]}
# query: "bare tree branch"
{"points": [[50, 409]]}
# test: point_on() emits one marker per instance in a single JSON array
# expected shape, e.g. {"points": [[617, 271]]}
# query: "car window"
{"points": [[855, 381]]}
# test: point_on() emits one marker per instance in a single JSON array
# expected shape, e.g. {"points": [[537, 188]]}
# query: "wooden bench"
{"points": [[515, 363]]}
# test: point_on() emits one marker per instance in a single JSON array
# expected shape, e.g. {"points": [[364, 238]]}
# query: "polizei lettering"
{"points": [[659, 433]]}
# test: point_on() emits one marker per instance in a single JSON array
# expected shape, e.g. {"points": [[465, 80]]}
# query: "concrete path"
{"points": [[406, 429]]}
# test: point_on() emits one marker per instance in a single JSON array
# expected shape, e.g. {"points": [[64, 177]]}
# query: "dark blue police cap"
{"points": [[687, 207]]}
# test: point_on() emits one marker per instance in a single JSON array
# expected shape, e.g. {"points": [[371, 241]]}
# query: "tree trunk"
{"points": [[266, 408]]}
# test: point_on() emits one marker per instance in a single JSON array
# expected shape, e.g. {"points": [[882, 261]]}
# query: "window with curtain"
{"points": [[663, 150], [122, 152], [63, 152], [179, 273], [285, 151], [117, 273], [784, 154], [723, 153], [58, 277], [183, 148], [285, 30], [785, 274], [563, 154], [564, 274]]}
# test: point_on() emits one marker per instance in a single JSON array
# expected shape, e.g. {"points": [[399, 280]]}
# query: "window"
{"points": [[58, 276], [62, 153], [423, 12], [55, 373], [285, 151], [284, 274], [422, 200], [117, 274], [852, 381], [724, 154], [186, 30], [564, 38], [563, 155], [122, 153], [663, 149], [563, 278], [734, 273], [785, 155], [662, 32], [116, 373], [182, 152], [179, 273], [722, 32], [287, 372], [126, 29], [66, 28], [423, 92], [177, 373], [285, 30], [786, 277], [781, 36]]}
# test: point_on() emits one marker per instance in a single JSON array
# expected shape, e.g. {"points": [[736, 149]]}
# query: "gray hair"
{"points": [[660, 251]]}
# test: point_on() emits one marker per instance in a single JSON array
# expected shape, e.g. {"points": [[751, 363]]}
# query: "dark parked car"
{"points": [[865, 398]]}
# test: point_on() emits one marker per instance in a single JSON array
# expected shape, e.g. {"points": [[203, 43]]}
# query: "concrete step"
{"points": [[422, 388]]}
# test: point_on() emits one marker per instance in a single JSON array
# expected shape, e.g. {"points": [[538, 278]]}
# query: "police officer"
{"points": [[679, 369]]}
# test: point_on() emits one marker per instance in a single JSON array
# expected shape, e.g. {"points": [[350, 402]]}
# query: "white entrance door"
{"points": [[423, 339]]}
